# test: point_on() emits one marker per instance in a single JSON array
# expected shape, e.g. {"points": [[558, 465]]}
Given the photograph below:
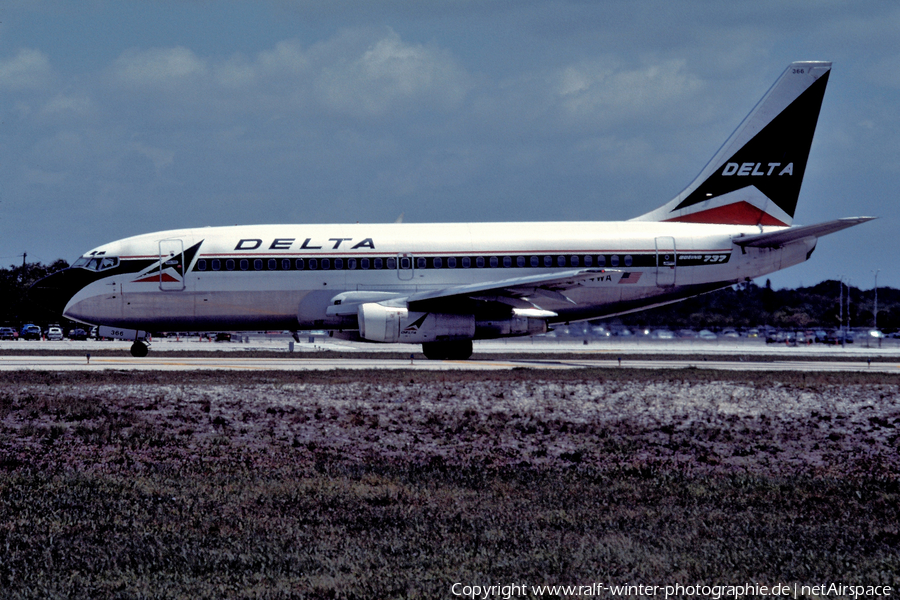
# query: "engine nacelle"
{"points": [[379, 323]]}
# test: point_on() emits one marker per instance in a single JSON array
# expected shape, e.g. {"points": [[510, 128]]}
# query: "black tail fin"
{"points": [[755, 177]]}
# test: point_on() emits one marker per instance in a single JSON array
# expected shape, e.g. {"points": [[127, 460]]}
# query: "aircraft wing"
{"points": [[517, 292], [775, 239]]}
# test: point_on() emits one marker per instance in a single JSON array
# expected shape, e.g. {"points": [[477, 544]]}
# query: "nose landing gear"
{"points": [[139, 349]]}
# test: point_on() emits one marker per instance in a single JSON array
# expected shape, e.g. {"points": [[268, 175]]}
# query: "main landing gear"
{"points": [[139, 349], [457, 350]]}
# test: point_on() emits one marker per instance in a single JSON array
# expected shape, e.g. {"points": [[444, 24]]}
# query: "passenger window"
{"points": [[391, 263], [273, 264], [364, 263], [229, 264], [339, 264], [548, 261], [561, 261], [216, 264], [535, 261], [404, 262], [494, 262], [601, 261], [438, 262], [573, 260], [479, 262], [451, 262], [520, 261], [245, 264], [313, 264], [466, 262], [201, 265], [420, 263], [507, 262], [286, 264], [326, 264], [351, 264], [614, 260], [628, 260], [378, 263], [257, 264], [300, 265], [588, 260]]}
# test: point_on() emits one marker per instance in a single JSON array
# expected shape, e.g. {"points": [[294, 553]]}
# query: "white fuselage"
{"points": [[285, 276]]}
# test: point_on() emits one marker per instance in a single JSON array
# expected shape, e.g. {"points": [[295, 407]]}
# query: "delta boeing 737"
{"points": [[443, 285]]}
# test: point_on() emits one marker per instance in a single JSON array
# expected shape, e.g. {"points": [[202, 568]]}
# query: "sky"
{"points": [[120, 118]]}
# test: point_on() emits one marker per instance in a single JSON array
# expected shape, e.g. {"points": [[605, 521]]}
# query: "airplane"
{"points": [[443, 285]]}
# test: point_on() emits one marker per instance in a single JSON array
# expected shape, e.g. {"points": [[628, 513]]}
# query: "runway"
{"points": [[222, 361], [283, 354]]}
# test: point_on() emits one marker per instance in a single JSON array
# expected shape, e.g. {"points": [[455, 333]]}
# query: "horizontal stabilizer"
{"points": [[775, 239]]}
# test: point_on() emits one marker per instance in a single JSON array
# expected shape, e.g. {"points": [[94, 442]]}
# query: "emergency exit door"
{"points": [[665, 261]]}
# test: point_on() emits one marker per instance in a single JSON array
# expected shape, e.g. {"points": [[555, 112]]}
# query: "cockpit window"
{"points": [[96, 263], [108, 262]]}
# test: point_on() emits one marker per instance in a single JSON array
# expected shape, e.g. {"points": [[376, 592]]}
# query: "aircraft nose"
{"points": [[54, 291]]}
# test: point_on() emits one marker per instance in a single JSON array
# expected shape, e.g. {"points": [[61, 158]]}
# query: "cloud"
{"points": [[28, 69], [602, 91], [158, 67], [359, 73], [391, 73], [63, 104]]}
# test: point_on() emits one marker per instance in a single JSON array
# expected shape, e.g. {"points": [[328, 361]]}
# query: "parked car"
{"points": [[706, 334], [838, 338], [8, 333], [78, 334], [30, 332], [54, 333]]}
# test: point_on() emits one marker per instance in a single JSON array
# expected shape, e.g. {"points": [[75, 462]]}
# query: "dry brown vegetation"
{"points": [[394, 484]]}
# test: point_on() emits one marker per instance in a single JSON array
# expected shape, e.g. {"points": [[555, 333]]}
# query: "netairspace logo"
{"points": [[712, 592]]}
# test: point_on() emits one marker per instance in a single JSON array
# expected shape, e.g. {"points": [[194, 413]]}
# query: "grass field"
{"points": [[395, 484]]}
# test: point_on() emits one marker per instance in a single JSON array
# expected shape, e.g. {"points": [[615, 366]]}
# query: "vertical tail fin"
{"points": [[755, 177]]}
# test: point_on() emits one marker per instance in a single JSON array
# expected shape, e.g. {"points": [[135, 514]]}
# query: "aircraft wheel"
{"points": [[139, 350], [458, 350]]}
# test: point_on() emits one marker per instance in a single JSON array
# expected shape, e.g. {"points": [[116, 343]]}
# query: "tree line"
{"points": [[740, 306], [822, 306], [16, 308]]}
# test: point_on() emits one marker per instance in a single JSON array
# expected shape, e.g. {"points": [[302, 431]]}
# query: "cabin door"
{"points": [[665, 261], [171, 265]]}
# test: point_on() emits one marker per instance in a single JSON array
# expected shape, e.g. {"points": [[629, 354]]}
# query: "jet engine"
{"points": [[379, 323]]}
